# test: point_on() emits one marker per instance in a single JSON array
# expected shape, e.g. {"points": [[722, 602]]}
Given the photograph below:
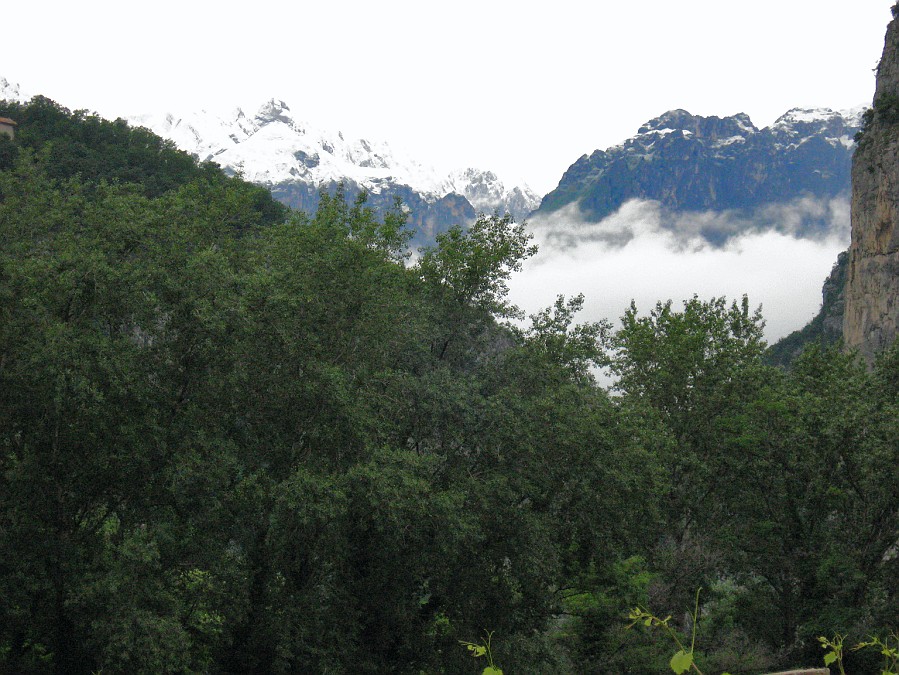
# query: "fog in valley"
{"points": [[777, 256]]}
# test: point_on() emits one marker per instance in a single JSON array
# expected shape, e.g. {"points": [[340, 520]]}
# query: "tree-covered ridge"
{"points": [[67, 144], [236, 444]]}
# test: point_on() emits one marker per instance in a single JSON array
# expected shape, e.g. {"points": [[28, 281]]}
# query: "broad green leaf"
{"points": [[490, 670], [829, 658], [681, 662]]}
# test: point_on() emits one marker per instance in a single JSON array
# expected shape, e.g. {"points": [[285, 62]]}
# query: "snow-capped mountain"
{"points": [[801, 124], [296, 161], [486, 192], [274, 146], [690, 163]]}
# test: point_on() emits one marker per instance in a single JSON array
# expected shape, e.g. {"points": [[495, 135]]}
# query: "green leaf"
{"points": [[490, 670], [681, 662], [829, 658]]}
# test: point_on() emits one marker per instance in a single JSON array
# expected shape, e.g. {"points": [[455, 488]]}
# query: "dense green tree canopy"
{"points": [[235, 439]]}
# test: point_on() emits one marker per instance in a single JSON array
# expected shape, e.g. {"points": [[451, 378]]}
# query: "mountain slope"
{"points": [[691, 163]]}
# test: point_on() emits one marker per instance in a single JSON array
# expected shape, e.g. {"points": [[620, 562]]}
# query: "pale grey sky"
{"points": [[520, 88]]}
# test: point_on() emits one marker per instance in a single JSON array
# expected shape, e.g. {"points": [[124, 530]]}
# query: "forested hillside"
{"points": [[239, 440]]}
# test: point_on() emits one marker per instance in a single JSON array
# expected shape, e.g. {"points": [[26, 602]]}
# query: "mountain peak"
{"points": [[486, 192], [673, 119], [821, 116], [801, 123], [702, 127], [274, 110], [806, 116]]}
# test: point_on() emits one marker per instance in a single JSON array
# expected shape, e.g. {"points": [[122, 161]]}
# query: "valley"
{"points": [[276, 398]]}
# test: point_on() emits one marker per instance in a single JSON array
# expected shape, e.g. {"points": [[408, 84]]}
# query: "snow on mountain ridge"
{"points": [[807, 116], [798, 125], [850, 116], [485, 191], [274, 146], [799, 121], [791, 129]]}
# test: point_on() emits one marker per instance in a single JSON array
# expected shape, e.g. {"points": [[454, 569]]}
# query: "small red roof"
{"points": [[6, 120]]}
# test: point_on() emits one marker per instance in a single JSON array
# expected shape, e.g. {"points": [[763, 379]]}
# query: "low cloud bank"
{"points": [[804, 218], [774, 255]]}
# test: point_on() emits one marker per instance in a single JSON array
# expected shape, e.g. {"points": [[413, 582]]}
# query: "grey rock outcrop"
{"points": [[871, 318]]}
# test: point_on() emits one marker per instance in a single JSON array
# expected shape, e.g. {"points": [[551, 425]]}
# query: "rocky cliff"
{"points": [[871, 319]]}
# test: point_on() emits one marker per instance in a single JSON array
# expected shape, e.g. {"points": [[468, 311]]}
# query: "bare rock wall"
{"points": [[871, 318]]}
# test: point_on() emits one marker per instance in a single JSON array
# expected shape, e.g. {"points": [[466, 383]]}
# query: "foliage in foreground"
{"points": [[229, 444], [235, 443]]}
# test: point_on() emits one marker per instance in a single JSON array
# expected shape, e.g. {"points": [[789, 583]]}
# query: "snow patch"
{"points": [[729, 141]]}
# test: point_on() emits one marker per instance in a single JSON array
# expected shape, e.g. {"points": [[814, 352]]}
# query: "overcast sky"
{"points": [[521, 88]]}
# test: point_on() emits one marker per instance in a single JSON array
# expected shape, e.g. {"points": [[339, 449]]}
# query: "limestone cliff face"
{"points": [[871, 319]]}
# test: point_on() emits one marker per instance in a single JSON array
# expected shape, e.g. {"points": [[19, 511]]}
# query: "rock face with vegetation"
{"points": [[871, 321], [826, 328]]}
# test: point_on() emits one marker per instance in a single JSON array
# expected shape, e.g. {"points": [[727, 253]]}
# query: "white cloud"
{"points": [[638, 253]]}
